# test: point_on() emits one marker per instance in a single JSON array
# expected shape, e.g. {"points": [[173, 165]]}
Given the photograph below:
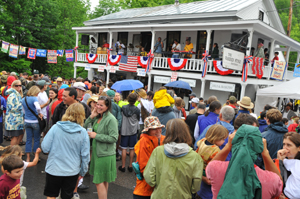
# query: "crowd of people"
{"points": [[214, 150]]}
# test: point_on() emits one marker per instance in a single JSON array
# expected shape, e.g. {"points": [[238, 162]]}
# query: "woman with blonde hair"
{"points": [[14, 123], [32, 111], [62, 169], [174, 169]]}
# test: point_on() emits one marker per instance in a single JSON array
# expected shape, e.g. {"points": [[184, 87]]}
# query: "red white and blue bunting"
{"points": [[176, 64], [112, 59], [219, 68], [258, 67], [205, 60], [143, 61], [245, 68], [91, 58]]}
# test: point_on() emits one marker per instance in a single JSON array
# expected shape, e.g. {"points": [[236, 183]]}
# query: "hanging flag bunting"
{"points": [[52, 56], [91, 58], [128, 63], [76, 53], [31, 53], [41, 53], [245, 68], [258, 67], [176, 64], [5, 46], [13, 50], [143, 61], [69, 55], [60, 53], [219, 68], [149, 61], [22, 50], [205, 60], [113, 59]]}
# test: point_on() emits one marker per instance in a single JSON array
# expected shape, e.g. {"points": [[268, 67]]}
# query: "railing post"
{"points": [[287, 62], [272, 51]]}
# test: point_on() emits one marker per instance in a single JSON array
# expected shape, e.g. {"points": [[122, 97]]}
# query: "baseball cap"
{"points": [[232, 99], [59, 79], [47, 80], [195, 100], [110, 93], [79, 85], [41, 83], [193, 94]]}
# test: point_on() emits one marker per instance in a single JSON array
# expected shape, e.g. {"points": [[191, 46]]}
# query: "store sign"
{"points": [[101, 68], [87, 67], [297, 70], [232, 59], [191, 82], [162, 79], [278, 70], [141, 72], [112, 69], [174, 76], [218, 86]]}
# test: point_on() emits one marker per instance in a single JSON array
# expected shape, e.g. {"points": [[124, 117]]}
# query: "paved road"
{"points": [[34, 181]]}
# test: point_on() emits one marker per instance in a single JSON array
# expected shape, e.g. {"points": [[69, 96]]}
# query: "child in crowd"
{"points": [[285, 121], [12, 167], [16, 150], [162, 98], [292, 127], [208, 148]]}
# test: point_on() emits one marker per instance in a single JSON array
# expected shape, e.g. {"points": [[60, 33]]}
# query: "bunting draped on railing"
{"points": [[219, 68], [91, 58], [176, 64], [258, 67], [149, 61], [112, 59], [247, 61], [205, 56]]}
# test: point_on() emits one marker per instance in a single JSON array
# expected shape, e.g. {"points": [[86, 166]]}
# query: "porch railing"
{"points": [[193, 65]]}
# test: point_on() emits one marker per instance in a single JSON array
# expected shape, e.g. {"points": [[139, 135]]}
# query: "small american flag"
{"points": [[128, 63]]}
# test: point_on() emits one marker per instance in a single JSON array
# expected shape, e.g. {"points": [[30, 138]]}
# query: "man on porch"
{"points": [[158, 48]]}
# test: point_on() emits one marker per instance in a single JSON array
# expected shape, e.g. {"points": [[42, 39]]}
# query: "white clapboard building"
{"points": [[205, 23]]}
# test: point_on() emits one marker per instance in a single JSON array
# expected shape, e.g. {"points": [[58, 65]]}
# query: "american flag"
{"points": [[258, 67], [128, 63]]}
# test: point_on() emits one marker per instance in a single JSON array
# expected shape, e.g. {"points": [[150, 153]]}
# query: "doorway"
{"points": [[146, 40]]}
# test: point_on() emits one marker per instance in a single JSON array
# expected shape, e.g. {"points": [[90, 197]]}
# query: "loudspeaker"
{"points": [[85, 40]]}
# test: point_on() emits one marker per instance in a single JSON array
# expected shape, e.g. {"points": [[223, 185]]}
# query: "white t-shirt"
{"points": [[147, 105], [178, 48], [22, 176], [121, 50], [42, 99], [291, 189]]}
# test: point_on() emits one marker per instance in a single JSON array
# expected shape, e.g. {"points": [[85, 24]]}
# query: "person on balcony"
{"points": [[120, 47], [276, 58], [105, 45], [158, 48], [188, 48], [260, 51], [176, 47], [215, 52], [143, 52]]}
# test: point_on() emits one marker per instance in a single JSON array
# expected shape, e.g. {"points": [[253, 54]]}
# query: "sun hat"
{"points": [[3, 78], [93, 98], [152, 122], [195, 100], [79, 85], [110, 93], [246, 103], [142, 93], [59, 79], [193, 94]]}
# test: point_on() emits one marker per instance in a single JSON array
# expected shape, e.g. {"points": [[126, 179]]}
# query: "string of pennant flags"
{"points": [[15, 50]]}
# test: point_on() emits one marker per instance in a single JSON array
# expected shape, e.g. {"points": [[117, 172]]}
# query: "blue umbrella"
{"points": [[179, 84], [127, 85]]}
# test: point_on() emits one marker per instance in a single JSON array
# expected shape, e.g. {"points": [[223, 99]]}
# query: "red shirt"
{"points": [[275, 59], [105, 45], [292, 127], [232, 106], [9, 188]]}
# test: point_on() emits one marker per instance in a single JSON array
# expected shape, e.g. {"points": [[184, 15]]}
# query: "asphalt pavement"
{"points": [[34, 181]]}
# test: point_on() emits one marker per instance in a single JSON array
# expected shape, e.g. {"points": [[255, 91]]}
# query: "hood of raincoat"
{"points": [[69, 127], [176, 150]]}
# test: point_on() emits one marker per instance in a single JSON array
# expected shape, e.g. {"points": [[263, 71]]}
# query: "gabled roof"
{"points": [[214, 7]]}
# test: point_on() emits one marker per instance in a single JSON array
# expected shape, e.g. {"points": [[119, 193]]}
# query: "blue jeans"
{"points": [[32, 130], [1, 132], [175, 56]]}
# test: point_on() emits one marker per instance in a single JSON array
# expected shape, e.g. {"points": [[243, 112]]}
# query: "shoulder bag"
{"points": [[42, 122]]}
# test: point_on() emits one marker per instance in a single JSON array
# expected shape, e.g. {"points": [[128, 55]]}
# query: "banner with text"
{"points": [[297, 70], [278, 70]]}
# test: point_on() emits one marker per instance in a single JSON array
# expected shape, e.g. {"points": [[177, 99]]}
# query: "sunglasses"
{"points": [[18, 85]]}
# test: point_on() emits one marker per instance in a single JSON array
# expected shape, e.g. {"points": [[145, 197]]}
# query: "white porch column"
{"points": [[153, 41], [75, 71], [249, 41], [243, 90], [110, 39], [287, 61], [272, 51], [298, 57], [76, 39], [149, 81], [208, 38], [91, 74], [107, 77], [202, 88]]}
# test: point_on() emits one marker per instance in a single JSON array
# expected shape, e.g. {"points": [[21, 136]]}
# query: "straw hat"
{"points": [[93, 98], [152, 122], [142, 93], [246, 103]]}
